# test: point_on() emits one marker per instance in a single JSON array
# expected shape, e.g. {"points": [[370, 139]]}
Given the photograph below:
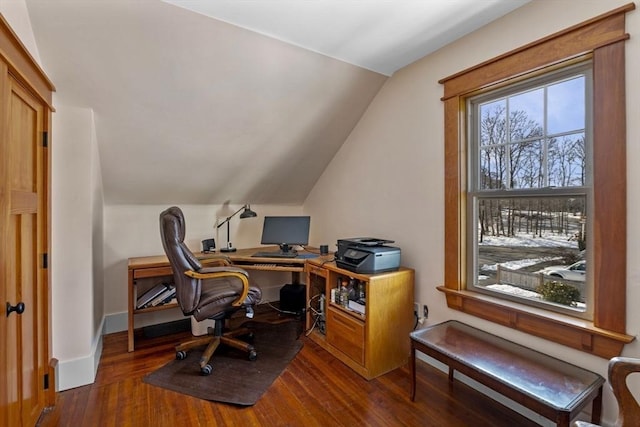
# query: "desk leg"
{"points": [[596, 408], [132, 304], [412, 366]]}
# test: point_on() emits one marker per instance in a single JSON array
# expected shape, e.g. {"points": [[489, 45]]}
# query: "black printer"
{"points": [[367, 255]]}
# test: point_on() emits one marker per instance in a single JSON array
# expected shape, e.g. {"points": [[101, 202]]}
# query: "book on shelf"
{"points": [[356, 306], [164, 297], [151, 294]]}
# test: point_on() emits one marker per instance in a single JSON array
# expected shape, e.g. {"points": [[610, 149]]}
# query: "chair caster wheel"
{"points": [[181, 355], [206, 370], [253, 355]]}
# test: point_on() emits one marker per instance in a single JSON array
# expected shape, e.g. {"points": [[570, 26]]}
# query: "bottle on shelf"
{"points": [[361, 291], [344, 293]]}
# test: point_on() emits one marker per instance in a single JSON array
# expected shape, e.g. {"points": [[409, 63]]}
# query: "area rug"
{"points": [[234, 379]]}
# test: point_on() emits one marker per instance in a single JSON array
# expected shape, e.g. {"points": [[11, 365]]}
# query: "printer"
{"points": [[367, 255]]}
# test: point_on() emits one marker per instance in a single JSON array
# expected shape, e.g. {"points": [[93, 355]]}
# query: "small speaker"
{"points": [[209, 245]]}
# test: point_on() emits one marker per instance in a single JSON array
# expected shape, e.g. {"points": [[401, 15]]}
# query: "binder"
{"points": [[164, 297], [151, 294]]}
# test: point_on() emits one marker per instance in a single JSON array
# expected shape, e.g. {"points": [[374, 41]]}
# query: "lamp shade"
{"points": [[248, 213]]}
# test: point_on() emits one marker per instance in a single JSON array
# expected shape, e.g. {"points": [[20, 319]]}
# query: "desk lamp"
{"points": [[247, 213]]}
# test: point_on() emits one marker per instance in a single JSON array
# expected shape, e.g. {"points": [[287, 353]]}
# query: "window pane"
{"points": [[493, 162], [567, 161], [493, 123], [533, 249], [527, 162], [526, 114], [566, 106]]}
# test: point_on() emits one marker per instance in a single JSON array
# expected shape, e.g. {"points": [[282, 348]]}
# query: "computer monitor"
{"points": [[286, 231]]}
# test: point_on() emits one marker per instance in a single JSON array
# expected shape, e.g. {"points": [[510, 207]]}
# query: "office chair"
{"points": [[206, 293], [628, 409]]}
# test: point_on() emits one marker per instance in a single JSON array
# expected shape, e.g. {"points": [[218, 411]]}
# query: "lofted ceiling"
{"points": [[207, 102]]}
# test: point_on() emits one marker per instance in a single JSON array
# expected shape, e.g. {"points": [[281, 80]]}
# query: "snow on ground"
{"points": [[513, 290], [546, 241], [517, 264], [526, 240]]}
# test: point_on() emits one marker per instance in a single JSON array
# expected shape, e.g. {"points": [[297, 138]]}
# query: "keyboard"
{"points": [[275, 255]]}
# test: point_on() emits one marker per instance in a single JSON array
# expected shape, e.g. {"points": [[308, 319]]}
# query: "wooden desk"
{"points": [[551, 387], [153, 269]]}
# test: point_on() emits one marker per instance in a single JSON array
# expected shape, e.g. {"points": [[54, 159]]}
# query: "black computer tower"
{"points": [[292, 298]]}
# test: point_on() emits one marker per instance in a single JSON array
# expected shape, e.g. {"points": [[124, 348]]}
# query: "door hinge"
{"points": [[46, 381], [45, 260], [45, 139]]}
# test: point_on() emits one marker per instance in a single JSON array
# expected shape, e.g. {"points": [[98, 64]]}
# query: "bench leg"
{"points": [[596, 408], [412, 365]]}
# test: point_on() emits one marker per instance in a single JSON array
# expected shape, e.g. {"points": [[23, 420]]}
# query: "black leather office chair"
{"points": [[206, 293]]}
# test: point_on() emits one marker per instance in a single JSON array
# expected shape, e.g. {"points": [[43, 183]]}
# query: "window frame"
{"points": [[476, 192], [602, 40]]}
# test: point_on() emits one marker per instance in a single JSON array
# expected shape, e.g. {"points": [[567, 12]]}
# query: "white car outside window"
{"points": [[575, 271]]}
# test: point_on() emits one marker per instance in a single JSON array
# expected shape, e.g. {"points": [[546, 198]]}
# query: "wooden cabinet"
{"points": [[372, 343]]}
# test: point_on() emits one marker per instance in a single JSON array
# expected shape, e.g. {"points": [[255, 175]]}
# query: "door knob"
{"points": [[18, 308]]}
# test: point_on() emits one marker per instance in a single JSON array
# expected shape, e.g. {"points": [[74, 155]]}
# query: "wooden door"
{"points": [[24, 235]]}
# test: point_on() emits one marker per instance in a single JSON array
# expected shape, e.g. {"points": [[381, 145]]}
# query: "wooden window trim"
{"points": [[603, 39]]}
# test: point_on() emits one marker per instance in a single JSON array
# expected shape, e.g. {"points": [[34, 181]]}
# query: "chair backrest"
{"points": [[628, 409], [172, 232]]}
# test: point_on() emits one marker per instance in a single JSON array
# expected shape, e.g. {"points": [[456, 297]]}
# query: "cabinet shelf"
{"points": [[348, 311], [155, 308]]}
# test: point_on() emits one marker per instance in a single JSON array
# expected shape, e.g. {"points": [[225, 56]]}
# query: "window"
{"points": [[538, 184], [529, 189]]}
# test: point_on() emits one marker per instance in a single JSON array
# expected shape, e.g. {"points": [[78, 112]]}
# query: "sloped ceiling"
{"points": [[192, 109]]}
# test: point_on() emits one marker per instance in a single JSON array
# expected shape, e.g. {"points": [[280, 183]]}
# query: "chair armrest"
{"points": [[229, 268], [218, 259], [628, 408], [220, 272]]}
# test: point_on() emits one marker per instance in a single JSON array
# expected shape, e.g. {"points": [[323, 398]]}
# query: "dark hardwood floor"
{"points": [[314, 390]]}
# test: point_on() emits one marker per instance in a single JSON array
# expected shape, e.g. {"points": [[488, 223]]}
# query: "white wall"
{"points": [[17, 15], [76, 246], [387, 179], [97, 238]]}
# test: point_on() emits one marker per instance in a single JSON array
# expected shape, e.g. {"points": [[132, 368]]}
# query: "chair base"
{"points": [[213, 341]]}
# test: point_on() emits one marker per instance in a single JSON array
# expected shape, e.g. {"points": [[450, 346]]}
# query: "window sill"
{"points": [[571, 332]]}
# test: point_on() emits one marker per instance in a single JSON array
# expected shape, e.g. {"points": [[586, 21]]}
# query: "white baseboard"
{"points": [[81, 371]]}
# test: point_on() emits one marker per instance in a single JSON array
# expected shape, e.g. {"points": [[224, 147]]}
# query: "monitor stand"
{"points": [[285, 250]]}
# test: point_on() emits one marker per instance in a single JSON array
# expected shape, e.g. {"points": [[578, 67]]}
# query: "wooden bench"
{"points": [[551, 387]]}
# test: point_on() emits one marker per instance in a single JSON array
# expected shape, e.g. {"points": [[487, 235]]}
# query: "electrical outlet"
{"points": [[425, 311]]}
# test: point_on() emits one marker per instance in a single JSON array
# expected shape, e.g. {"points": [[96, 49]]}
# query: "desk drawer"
{"points": [[346, 334], [141, 273]]}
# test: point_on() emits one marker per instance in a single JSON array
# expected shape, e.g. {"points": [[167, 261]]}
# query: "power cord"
{"points": [[318, 316], [279, 310]]}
